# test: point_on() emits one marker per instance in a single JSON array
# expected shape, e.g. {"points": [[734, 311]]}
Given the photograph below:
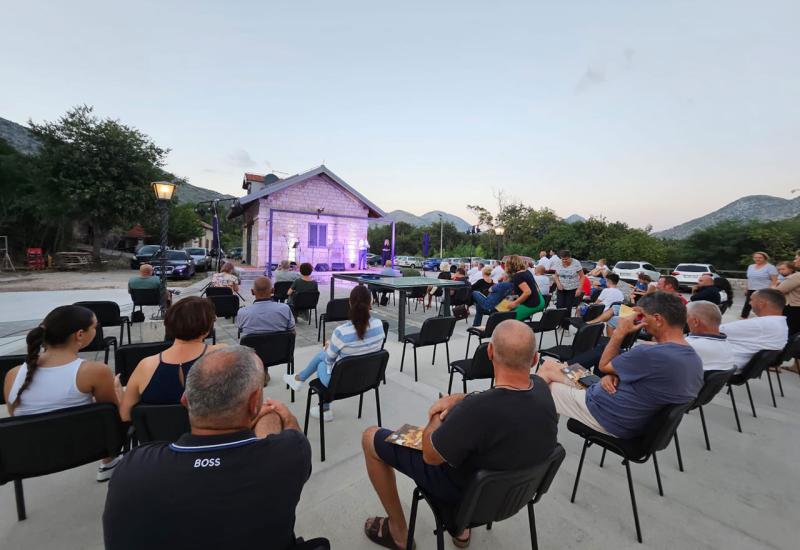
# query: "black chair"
{"points": [[435, 331], [656, 436], [713, 382], [108, 315], [592, 312], [313, 544], [480, 367], [417, 294], [280, 291], [551, 320], [273, 348], [127, 357], [490, 496], [40, 444], [336, 310], [385, 332], [306, 301], [159, 422], [226, 305], [8, 362], [218, 291], [754, 368], [586, 339], [487, 331], [790, 352], [351, 376], [101, 343], [145, 297]]}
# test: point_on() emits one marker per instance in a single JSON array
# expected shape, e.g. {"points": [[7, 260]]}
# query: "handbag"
{"points": [[460, 312]]}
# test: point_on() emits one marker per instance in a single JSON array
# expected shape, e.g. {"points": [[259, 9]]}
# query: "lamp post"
{"points": [[163, 191], [441, 237], [499, 231]]}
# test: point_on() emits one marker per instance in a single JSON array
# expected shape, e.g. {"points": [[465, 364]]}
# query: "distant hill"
{"points": [[428, 218], [752, 207], [188, 193], [575, 218]]}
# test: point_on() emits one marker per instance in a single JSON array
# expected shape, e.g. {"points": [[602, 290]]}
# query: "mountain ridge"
{"points": [[428, 218]]}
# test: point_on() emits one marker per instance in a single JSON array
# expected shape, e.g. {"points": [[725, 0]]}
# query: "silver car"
{"points": [[202, 260]]}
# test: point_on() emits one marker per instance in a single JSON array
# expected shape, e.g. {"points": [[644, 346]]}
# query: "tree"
{"points": [[98, 171]]}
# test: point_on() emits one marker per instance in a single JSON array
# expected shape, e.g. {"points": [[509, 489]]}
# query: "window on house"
{"points": [[317, 235]]}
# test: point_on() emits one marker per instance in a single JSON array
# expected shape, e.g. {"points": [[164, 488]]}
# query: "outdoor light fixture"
{"points": [[163, 190], [499, 230]]}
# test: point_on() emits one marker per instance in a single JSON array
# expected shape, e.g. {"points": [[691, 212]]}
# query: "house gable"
{"points": [[315, 193]]}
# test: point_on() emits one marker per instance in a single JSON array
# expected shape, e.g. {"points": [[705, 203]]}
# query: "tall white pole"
{"points": [[441, 236]]}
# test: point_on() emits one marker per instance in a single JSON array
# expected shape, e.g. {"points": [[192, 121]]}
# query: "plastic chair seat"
{"points": [[634, 449]]}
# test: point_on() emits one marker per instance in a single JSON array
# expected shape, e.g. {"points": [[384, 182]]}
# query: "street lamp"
{"points": [[441, 237], [163, 191], [499, 231]]}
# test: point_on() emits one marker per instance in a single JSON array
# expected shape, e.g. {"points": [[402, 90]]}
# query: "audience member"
{"points": [[483, 284], [285, 273], [640, 382], [485, 305], [642, 286], [245, 459], [610, 295], [790, 287], [705, 290], [543, 260], [304, 283], [498, 272], [668, 283], [509, 427], [768, 330], [387, 271], [264, 314], [226, 278], [704, 319], [145, 279], [362, 334], [760, 275], [56, 377], [569, 279], [475, 272], [444, 267], [528, 298], [542, 280], [600, 269], [159, 379]]}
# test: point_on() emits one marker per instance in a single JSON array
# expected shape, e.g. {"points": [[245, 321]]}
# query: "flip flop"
{"points": [[377, 530]]}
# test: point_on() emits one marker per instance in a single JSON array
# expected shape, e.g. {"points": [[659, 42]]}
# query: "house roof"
{"points": [[136, 232], [279, 185]]}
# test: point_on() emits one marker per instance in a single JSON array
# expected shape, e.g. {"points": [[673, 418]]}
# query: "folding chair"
{"points": [[487, 331], [480, 367], [435, 331]]}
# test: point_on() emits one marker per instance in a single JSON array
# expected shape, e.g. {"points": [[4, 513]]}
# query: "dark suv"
{"points": [[179, 265], [144, 255]]}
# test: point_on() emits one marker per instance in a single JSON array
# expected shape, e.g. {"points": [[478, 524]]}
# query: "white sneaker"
{"points": [[327, 416], [293, 382], [105, 471]]}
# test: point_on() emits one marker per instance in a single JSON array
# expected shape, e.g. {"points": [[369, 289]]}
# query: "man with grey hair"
{"points": [[508, 427], [704, 336], [235, 479]]}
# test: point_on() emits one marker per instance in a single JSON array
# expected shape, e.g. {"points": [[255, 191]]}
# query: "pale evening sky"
{"points": [[648, 112]]}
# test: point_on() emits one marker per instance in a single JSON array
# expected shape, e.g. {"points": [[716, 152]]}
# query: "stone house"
{"points": [[311, 217]]}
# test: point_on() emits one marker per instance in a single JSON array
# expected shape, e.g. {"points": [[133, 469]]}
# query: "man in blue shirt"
{"points": [[639, 383], [264, 315]]}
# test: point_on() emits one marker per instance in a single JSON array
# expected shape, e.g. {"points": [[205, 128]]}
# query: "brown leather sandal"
{"points": [[377, 530]]}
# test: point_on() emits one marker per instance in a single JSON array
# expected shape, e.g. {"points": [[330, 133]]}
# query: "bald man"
{"points": [[145, 279], [704, 319], [508, 427], [264, 315]]}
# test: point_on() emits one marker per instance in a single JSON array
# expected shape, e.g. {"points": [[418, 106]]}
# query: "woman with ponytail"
{"points": [[362, 334], [53, 377]]}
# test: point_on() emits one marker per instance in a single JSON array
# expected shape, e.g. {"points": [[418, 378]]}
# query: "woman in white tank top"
{"points": [[57, 378]]}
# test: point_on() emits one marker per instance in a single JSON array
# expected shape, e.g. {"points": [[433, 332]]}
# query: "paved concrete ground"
{"points": [[744, 494]]}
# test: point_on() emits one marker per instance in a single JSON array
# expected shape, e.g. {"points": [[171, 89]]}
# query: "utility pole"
{"points": [[441, 236]]}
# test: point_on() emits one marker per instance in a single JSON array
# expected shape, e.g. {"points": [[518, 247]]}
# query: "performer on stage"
{"points": [[363, 246], [386, 252]]}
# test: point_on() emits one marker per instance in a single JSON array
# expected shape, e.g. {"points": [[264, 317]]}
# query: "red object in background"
{"points": [[35, 259]]}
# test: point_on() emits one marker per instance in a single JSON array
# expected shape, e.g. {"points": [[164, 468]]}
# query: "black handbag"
{"points": [[461, 312]]}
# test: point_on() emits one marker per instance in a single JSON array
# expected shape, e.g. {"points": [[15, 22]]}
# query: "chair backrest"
{"points": [[593, 312], [437, 330], [273, 348], [8, 362], [493, 496], [385, 331], [39, 444], [337, 310], [280, 290], [356, 374], [225, 306], [159, 422], [495, 319], [462, 295], [551, 319], [305, 300], [127, 357], [629, 340], [482, 366], [759, 362], [659, 431], [792, 349], [586, 338], [146, 296], [713, 382], [218, 291], [107, 313], [416, 292]]}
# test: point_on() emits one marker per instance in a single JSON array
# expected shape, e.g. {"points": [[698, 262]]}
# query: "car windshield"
{"points": [[626, 265], [691, 268], [196, 251], [149, 249], [174, 255]]}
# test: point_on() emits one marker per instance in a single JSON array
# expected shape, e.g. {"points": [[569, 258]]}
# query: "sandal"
{"points": [[377, 530], [462, 543]]}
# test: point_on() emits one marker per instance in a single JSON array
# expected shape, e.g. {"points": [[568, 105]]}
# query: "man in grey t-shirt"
{"points": [[264, 315]]}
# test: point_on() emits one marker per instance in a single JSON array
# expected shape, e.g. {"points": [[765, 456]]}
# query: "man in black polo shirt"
{"points": [[705, 290], [233, 482], [509, 427]]}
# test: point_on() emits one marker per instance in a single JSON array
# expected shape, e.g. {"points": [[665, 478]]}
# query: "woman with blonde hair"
{"points": [[760, 275]]}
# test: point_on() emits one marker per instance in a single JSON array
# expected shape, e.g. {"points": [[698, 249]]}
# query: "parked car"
{"points": [[687, 274], [201, 257], [431, 264], [179, 264], [144, 255], [409, 261], [373, 259], [629, 271], [236, 253], [489, 261], [588, 265], [457, 261]]}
